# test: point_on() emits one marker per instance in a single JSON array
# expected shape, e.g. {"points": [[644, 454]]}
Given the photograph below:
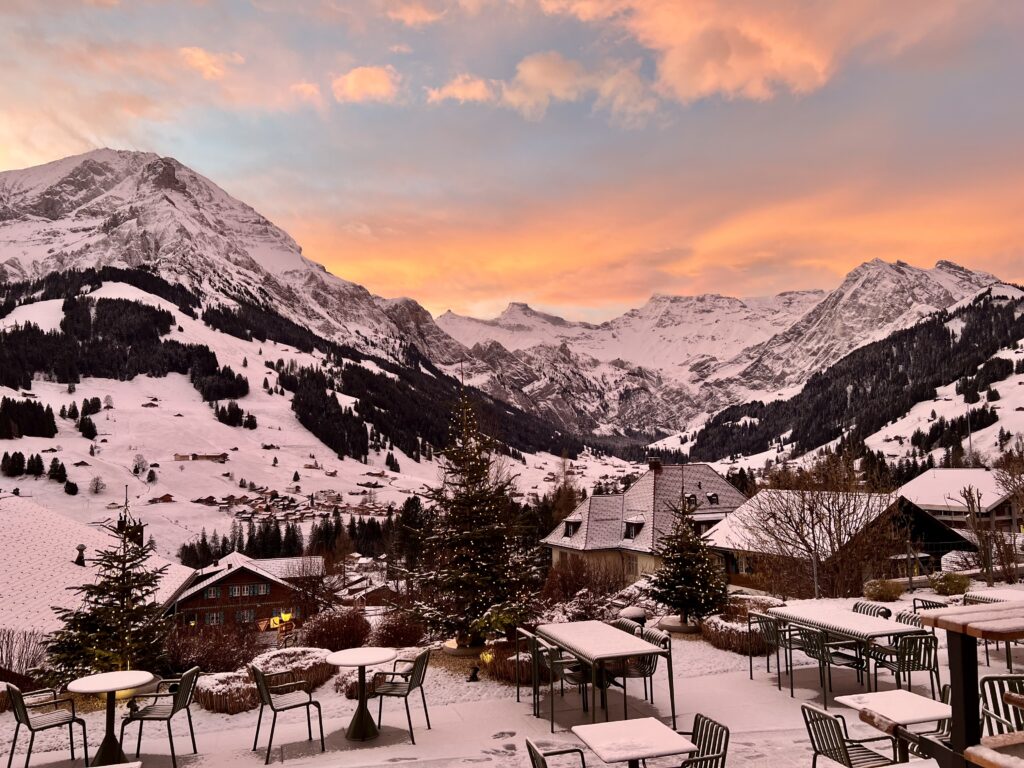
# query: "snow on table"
{"points": [[595, 640], [632, 740], [994, 596], [841, 621], [362, 657], [900, 706], [109, 682]]}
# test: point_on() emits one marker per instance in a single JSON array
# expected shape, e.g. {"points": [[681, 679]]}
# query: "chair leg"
{"points": [[625, 705], [408, 716], [259, 721], [138, 744], [380, 709], [191, 731], [14, 741], [85, 743], [309, 721], [71, 740], [320, 719], [31, 741], [426, 714], [273, 725], [170, 740]]}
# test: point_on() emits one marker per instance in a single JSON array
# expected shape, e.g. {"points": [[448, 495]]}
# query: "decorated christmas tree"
{"points": [[119, 624], [472, 576], [689, 581]]}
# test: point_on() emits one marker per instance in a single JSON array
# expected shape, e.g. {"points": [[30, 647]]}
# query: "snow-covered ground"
{"points": [[481, 723]]}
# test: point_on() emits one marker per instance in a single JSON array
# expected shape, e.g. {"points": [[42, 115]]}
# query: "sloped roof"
{"points": [[37, 569], [653, 498], [939, 489], [275, 569], [735, 532]]}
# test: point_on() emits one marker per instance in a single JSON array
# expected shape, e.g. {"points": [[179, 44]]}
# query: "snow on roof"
{"points": [[736, 531], [652, 499], [275, 569], [37, 569], [940, 489]]}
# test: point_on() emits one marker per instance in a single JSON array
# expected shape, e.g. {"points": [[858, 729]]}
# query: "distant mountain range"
{"points": [[656, 368]]}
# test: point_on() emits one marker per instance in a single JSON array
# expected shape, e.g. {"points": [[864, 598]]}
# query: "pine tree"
{"points": [[472, 575], [119, 624], [87, 428], [689, 580]]}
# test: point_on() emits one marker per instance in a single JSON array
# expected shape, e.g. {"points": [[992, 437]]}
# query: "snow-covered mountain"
{"points": [[659, 366], [678, 358]]}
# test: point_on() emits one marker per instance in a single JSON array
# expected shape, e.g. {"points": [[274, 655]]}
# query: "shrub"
{"points": [[576, 590], [337, 630], [227, 692], [398, 630], [737, 607], [498, 662], [70, 488], [949, 583], [883, 590], [730, 631], [212, 649], [306, 664]]}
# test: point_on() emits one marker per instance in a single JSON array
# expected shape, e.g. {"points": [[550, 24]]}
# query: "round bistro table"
{"points": [[110, 683], [362, 727]]}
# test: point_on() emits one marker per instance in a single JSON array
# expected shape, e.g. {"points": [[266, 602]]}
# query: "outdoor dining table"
{"points": [[595, 644], [994, 595], [110, 752], [362, 727], [631, 741], [900, 707], [841, 621]]}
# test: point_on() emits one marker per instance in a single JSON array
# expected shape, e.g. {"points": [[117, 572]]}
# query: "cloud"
{"points": [[211, 66], [308, 93], [626, 95], [413, 13], [755, 50], [366, 84], [463, 88], [400, 48], [542, 78]]}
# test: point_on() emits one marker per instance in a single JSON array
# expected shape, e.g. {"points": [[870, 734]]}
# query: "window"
{"points": [[691, 500], [245, 616], [234, 591], [712, 498], [249, 590], [214, 618], [630, 564], [212, 593], [571, 527], [633, 530]]}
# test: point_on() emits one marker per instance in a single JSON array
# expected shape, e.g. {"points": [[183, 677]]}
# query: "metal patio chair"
{"points": [[561, 669], [282, 698], [400, 684], [24, 706], [872, 609], [712, 740], [830, 738], [997, 716], [164, 706], [911, 653], [830, 654], [538, 759]]}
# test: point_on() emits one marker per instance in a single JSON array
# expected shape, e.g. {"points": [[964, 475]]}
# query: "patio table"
{"points": [[839, 621], [994, 596], [595, 644], [900, 707], [110, 752], [362, 727], [633, 740]]}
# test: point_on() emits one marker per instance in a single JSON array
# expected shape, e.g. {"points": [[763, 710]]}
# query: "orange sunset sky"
{"points": [[579, 155]]}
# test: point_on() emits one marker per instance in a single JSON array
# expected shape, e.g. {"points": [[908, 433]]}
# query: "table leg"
{"points": [[110, 752], [902, 753], [362, 727]]}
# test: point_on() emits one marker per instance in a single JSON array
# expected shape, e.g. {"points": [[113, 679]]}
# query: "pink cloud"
{"points": [[365, 84], [542, 78], [463, 88], [413, 13], [211, 66]]}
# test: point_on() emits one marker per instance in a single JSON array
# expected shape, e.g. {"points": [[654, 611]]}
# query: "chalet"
{"points": [[623, 531], [165, 499], [740, 547], [220, 458], [242, 590], [940, 493]]}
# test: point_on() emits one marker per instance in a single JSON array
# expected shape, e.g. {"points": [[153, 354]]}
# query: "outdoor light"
{"points": [[286, 617]]}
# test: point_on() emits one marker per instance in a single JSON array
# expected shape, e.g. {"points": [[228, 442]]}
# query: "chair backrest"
{"points": [[544, 654], [419, 669], [814, 642], [917, 653], [826, 734], [1007, 719], [186, 689], [910, 618], [261, 683], [871, 609], [769, 627], [711, 738], [656, 637], [946, 726], [924, 604], [628, 625], [537, 759], [17, 704]]}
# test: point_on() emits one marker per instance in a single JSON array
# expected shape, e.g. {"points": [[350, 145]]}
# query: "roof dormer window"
{"points": [[691, 501], [633, 530], [712, 498], [571, 527]]}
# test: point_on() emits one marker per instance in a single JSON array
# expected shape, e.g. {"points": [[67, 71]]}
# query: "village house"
{"points": [[742, 547], [623, 532], [940, 493], [242, 590]]}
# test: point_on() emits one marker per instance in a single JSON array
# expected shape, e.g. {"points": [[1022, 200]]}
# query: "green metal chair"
{"points": [[24, 705], [538, 759], [872, 609], [712, 740], [783, 639], [400, 684], [165, 704], [282, 698], [830, 738], [912, 653], [943, 728], [561, 669], [998, 716], [830, 654], [627, 625]]}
